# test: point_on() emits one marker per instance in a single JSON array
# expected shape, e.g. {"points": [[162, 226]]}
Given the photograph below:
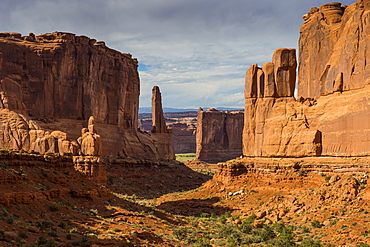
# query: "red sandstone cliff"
{"points": [[334, 49], [331, 118], [63, 79]]}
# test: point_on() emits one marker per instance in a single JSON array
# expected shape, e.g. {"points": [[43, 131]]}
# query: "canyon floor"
{"points": [[248, 202]]}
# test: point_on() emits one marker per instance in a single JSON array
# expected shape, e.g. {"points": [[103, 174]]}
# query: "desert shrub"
{"points": [[309, 242], [305, 229], [53, 234], [9, 219], [22, 235], [226, 230], [45, 224], [246, 227], [250, 219], [361, 244], [265, 233], [205, 215], [41, 241], [53, 208], [4, 212], [316, 224], [180, 233], [302, 173], [62, 224], [81, 242], [202, 242]]}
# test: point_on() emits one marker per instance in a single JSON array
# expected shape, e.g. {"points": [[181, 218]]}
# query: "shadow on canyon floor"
{"points": [[194, 207], [151, 179]]}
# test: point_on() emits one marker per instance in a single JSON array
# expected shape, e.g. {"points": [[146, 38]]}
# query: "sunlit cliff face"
{"points": [[332, 12]]}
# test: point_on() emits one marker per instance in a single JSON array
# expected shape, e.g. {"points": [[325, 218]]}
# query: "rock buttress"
{"points": [[274, 123]]}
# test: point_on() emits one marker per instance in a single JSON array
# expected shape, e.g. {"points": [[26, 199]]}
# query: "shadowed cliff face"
{"points": [[61, 79], [61, 75]]}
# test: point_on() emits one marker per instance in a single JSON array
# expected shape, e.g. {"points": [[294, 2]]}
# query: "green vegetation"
{"points": [[185, 157], [53, 208], [230, 230]]}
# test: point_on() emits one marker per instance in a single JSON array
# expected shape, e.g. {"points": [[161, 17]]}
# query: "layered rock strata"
{"points": [[61, 79], [35, 178], [219, 135]]}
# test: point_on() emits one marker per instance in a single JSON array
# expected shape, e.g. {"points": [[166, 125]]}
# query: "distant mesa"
{"points": [[219, 135]]}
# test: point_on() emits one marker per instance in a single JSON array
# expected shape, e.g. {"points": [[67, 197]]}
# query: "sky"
{"points": [[196, 51]]}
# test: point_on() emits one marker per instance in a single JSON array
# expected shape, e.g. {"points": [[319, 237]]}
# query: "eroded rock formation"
{"points": [[61, 79], [161, 135], [18, 132], [274, 124], [89, 160], [61, 75], [330, 116], [219, 135], [90, 142]]}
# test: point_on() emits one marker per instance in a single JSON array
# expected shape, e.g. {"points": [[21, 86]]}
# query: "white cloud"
{"points": [[197, 51]]}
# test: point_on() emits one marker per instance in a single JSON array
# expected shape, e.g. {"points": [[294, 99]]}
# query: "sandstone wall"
{"points": [[334, 49], [331, 118], [61, 75], [219, 135], [61, 79]]}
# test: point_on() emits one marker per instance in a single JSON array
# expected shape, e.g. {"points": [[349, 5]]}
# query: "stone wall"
{"points": [[219, 135]]}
